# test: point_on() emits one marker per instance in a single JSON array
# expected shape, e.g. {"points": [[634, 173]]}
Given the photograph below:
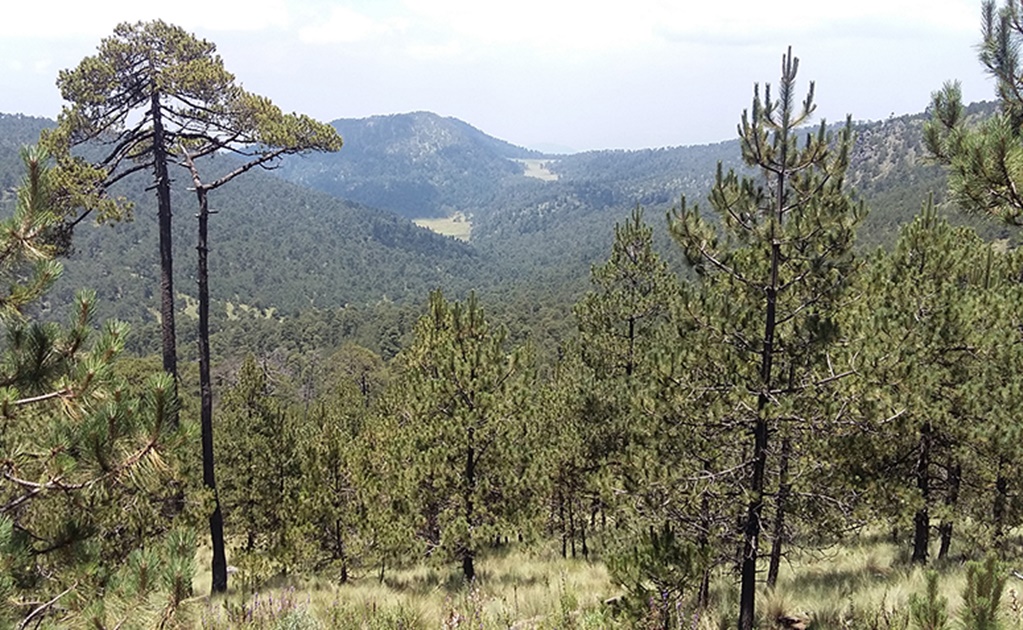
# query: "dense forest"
{"points": [[703, 375]]}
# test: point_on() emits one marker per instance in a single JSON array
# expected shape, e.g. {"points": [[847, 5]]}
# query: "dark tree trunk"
{"points": [[1001, 499], [703, 599], [571, 524], [162, 184], [955, 474], [339, 547], [206, 394], [755, 508], [582, 534], [468, 553], [922, 520], [564, 526], [781, 503]]}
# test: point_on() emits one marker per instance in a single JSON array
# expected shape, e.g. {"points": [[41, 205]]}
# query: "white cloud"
{"points": [[345, 25], [57, 19], [751, 21], [428, 52], [552, 25]]}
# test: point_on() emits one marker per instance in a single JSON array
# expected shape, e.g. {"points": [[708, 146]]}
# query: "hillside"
{"points": [[274, 244], [537, 212], [538, 222], [416, 165]]}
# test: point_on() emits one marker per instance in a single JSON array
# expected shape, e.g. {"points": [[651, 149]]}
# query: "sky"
{"points": [[569, 74]]}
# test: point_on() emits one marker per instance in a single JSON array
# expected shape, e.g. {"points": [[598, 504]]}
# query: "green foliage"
{"points": [[773, 272], [89, 466], [985, 160], [258, 445], [464, 415], [660, 571], [619, 319], [982, 594], [930, 612]]}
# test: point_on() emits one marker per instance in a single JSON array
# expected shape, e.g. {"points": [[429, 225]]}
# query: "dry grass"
{"points": [[514, 588], [457, 226], [538, 169], [862, 585]]}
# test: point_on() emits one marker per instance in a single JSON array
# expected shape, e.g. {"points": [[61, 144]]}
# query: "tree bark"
{"points": [[955, 474], [703, 598], [781, 503], [922, 520], [571, 524], [564, 526], [216, 520], [755, 508], [468, 566], [162, 184], [1001, 499]]}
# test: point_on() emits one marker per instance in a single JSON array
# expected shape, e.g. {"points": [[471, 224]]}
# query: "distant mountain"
{"points": [[273, 245], [16, 131], [416, 165], [538, 221], [422, 165]]}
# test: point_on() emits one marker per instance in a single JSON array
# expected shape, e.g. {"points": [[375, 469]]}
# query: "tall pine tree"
{"points": [[771, 274]]}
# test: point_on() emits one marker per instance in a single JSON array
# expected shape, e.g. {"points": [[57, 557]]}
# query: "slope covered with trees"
{"points": [[734, 386]]}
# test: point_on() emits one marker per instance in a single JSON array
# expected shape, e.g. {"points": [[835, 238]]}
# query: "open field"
{"points": [[864, 585], [457, 226], [538, 169]]}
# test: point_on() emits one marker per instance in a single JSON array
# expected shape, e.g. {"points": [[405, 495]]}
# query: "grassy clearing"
{"points": [[516, 588], [539, 169], [234, 311], [861, 585], [457, 226]]}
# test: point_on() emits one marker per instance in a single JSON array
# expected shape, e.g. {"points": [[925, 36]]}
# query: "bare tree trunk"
{"points": [[781, 503], [1001, 498], [216, 520], [922, 520], [468, 553], [571, 524], [582, 534], [564, 527], [955, 474], [703, 598], [162, 184]]}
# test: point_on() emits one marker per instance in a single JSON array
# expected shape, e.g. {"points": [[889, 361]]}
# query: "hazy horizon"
{"points": [[593, 75]]}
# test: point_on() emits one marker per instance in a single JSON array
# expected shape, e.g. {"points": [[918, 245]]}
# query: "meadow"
{"points": [[868, 584]]}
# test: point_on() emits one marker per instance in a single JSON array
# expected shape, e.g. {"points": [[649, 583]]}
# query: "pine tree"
{"points": [[466, 416], [985, 160], [252, 127], [149, 85], [88, 465], [771, 276], [260, 463], [619, 318], [155, 94], [621, 325], [919, 357], [337, 471], [985, 167]]}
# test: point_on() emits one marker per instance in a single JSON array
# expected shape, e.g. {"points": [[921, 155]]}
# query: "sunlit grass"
{"points": [[457, 226], [519, 587], [513, 586]]}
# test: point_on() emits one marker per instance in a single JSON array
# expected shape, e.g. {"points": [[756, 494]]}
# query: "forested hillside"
{"points": [[281, 248], [416, 165], [276, 246], [704, 377]]}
